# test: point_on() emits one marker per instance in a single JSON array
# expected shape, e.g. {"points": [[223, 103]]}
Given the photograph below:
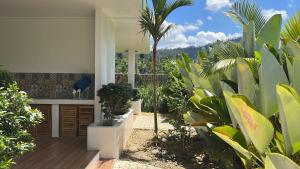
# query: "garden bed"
{"points": [[168, 153]]}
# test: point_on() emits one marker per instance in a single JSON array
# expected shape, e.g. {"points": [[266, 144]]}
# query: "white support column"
{"points": [[104, 56], [131, 67]]}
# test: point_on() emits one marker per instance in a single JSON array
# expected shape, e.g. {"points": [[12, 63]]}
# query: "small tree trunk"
{"points": [[154, 78]]}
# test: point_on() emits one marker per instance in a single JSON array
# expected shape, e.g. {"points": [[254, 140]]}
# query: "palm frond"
{"points": [[245, 11], [229, 50], [291, 29], [171, 5], [153, 21]]}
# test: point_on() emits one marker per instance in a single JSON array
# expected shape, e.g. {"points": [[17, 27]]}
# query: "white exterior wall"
{"points": [[104, 55], [47, 45]]}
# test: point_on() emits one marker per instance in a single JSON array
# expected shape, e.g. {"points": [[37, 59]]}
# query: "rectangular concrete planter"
{"points": [[110, 140], [136, 107]]}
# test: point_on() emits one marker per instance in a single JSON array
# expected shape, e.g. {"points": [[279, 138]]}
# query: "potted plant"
{"points": [[136, 102], [115, 100], [111, 134]]}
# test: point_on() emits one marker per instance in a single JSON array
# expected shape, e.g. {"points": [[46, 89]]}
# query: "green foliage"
{"points": [[6, 78], [115, 99], [16, 120], [146, 94], [238, 98], [291, 29]]}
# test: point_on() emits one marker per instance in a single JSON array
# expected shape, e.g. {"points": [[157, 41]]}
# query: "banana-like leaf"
{"points": [[232, 137], [293, 48], [229, 91], [278, 161], [271, 73], [289, 114], [270, 33], [195, 119], [249, 38], [295, 73], [259, 129], [246, 81], [234, 115]]}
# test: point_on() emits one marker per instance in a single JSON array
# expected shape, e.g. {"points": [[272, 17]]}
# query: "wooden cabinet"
{"points": [[85, 118], [44, 129], [68, 121], [74, 120]]}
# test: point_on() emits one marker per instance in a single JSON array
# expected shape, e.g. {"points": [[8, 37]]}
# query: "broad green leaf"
{"points": [[293, 48], [259, 129], [270, 33], [278, 161], [195, 119], [289, 114], [271, 73], [249, 38], [246, 81], [295, 74], [234, 115], [229, 91], [227, 134], [200, 82]]}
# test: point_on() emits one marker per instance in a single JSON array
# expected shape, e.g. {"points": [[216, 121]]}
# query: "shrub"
{"points": [[115, 99], [146, 94], [135, 95], [16, 120], [6, 78]]}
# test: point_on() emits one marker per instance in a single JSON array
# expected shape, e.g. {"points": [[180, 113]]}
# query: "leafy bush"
{"points": [[115, 99], [16, 120], [251, 101], [146, 94], [135, 95], [6, 78]]}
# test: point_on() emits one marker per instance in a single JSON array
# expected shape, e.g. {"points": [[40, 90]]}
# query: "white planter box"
{"points": [[136, 107], [110, 140]]}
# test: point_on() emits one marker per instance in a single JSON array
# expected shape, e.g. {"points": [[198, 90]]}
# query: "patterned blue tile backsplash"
{"points": [[53, 85]]}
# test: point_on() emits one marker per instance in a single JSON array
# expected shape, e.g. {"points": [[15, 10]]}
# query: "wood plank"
{"points": [[64, 153]]}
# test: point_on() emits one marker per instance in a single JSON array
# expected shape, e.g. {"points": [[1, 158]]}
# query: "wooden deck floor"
{"points": [[57, 154]]}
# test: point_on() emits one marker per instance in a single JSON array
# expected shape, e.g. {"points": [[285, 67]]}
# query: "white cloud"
{"points": [[215, 5], [177, 38], [209, 18], [270, 12]]}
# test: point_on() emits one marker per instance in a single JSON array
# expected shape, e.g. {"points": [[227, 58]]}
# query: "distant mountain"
{"points": [[192, 51]]}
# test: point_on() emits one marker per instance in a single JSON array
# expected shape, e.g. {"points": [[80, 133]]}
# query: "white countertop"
{"points": [[62, 101]]}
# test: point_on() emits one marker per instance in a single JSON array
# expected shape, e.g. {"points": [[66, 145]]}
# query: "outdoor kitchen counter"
{"points": [[63, 101], [56, 116]]}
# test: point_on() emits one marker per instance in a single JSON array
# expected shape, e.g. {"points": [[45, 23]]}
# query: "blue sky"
{"points": [[205, 21]]}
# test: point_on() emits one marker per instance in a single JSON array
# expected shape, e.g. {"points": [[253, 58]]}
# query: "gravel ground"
{"points": [[167, 155]]}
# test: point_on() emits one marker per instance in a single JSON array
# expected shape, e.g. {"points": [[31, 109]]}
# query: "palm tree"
{"points": [[153, 22]]}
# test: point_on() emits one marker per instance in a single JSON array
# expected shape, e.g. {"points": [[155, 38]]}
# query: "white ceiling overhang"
{"points": [[123, 12]]}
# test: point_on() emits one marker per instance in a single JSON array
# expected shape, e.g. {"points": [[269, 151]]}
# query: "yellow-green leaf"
{"points": [[289, 114], [278, 161], [227, 133], [259, 129]]}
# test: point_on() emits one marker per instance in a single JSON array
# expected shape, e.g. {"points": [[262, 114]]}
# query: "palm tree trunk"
{"points": [[154, 57]]}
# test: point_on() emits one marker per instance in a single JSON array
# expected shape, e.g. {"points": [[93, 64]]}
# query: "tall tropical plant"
{"points": [[153, 22]]}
